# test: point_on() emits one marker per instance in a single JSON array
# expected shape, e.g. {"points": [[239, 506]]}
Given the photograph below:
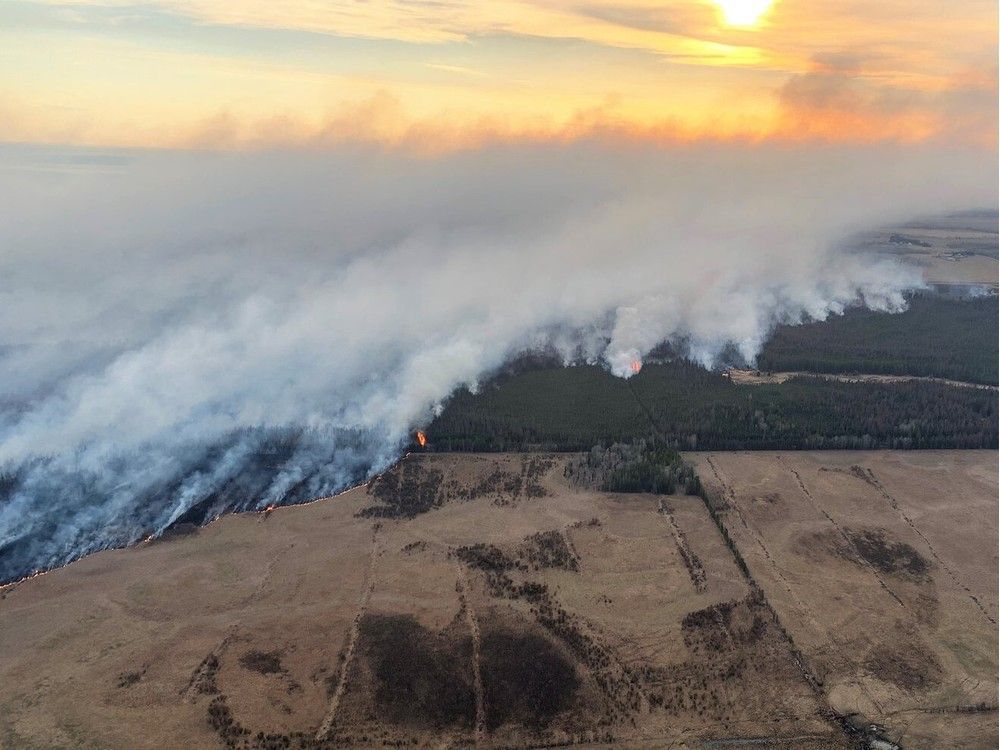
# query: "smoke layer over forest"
{"points": [[183, 334]]}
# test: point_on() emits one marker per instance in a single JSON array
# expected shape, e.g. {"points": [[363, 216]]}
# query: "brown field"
{"points": [[469, 600], [975, 269], [882, 566], [955, 250]]}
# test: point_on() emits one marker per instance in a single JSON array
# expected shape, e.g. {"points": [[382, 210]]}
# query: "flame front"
{"points": [[421, 439], [636, 365]]}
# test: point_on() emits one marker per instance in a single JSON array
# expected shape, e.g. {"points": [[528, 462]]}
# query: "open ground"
{"points": [[882, 567], [485, 600]]}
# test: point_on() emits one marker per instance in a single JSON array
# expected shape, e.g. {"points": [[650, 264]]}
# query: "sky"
{"points": [[449, 74]]}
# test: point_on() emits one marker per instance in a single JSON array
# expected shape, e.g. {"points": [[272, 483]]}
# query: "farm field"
{"points": [[956, 250], [488, 600], [477, 600], [882, 567]]}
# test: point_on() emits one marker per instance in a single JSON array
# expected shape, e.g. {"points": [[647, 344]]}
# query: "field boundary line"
{"points": [[352, 641], [840, 529], [867, 476], [477, 668]]}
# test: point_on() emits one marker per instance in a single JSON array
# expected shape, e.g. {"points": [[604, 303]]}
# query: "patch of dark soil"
{"points": [[716, 503], [532, 470], [498, 483], [715, 615], [548, 549], [865, 475], [723, 625], [128, 679], [737, 668], [768, 498], [422, 678], [486, 557], [504, 486], [928, 607], [905, 662], [205, 677], [232, 734], [526, 679], [414, 547], [887, 555], [405, 491], [494, 563], [619, 682], [264, 662]]}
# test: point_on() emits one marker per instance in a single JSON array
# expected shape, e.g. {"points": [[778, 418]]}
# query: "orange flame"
{"points": [[636, 366], [269, 508], [421, 438]]}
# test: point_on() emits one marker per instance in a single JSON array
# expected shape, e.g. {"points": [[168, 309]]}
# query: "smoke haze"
{"points": [[167, 318]]}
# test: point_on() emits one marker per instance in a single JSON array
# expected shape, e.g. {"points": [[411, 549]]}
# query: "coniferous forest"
{"points": [[680, 405], [536, 404], [937, 336]]}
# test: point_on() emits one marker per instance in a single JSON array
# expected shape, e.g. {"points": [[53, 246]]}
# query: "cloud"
{"points": [[230, 74], [170, 319], [843, 97], [837, 102], [640, 26]]}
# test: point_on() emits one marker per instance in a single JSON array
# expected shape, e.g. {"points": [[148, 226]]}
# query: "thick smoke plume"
{"points": [[188, 333]]}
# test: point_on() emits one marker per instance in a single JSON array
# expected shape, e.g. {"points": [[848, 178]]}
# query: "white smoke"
{"points": [[165, 302]]}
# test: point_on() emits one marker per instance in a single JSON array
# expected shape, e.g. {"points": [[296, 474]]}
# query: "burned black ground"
{"points": [[422, 678], [526, 679]]}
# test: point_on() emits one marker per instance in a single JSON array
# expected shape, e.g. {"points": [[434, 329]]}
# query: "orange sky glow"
{"points": [[456, 73]]}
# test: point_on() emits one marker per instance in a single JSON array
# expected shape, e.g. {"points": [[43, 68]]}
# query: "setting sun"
{"points": [[743, 12]]}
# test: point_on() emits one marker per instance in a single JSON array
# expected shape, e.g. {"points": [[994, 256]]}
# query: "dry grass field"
{"points": [[882, 567], [948, 250], [483, 600]]}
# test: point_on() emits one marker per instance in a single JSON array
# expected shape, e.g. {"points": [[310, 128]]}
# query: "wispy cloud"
{"points": [[170, 72]]}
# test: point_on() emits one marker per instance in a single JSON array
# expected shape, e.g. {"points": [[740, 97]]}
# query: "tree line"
{"points": [[681, 406], [937, 336]]}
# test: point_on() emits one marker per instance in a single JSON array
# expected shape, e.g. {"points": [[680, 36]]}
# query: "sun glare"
{"points": [[743, 12]]}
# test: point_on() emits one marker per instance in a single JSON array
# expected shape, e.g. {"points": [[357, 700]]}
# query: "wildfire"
{"points": [[421, 439], [19, 581], [269, 508], [636, 366]]}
